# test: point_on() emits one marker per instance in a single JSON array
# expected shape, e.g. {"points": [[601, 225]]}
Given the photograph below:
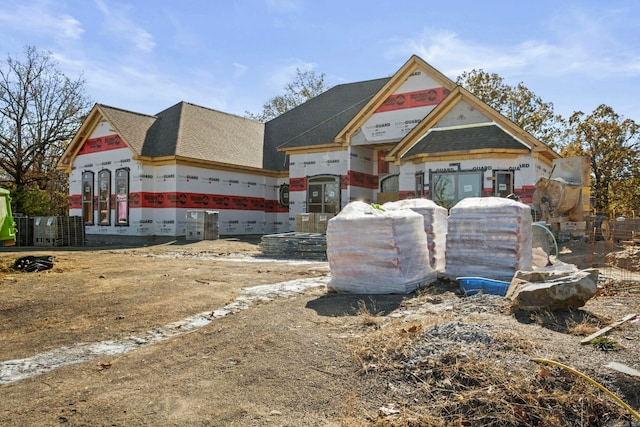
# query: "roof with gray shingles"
{"points": [[131, 127], [463, 139], [320, 119], [190, 131]]}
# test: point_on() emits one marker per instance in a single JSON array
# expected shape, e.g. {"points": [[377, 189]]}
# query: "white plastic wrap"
{"points": [[489, 237], [373, 251], [435, 226]]}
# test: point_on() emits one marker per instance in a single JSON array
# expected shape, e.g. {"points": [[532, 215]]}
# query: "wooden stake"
{"points": [[606, 329]]}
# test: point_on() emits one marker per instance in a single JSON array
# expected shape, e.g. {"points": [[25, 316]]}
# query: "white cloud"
{"points": [[121, 25], [38, 18], [448, 52], [576, 44]]}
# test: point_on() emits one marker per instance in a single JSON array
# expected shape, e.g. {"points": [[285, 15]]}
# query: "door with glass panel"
{"points": [[323, 194]]}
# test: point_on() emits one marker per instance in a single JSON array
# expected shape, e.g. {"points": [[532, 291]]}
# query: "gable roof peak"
{"points": [[123, 110]]}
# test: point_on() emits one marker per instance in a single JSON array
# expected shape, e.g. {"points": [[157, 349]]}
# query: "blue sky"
{"points": [[147, 55]]}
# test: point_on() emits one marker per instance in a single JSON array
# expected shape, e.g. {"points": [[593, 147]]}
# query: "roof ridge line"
{"points": [[127, 111]]}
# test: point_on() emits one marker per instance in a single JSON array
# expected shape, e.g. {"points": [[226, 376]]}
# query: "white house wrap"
{"points": [[435, 226], [374, 251], [489, 237]]}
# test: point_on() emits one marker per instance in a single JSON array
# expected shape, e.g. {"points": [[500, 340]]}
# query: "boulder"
{"points": [[535, 290]]}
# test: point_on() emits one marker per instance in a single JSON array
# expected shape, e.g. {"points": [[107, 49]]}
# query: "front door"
{"points": [[323, 194], [503, 184]]}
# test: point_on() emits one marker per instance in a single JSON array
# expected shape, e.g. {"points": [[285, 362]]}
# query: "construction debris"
{"points": [[606, 329], [32, 263], [621, 367]]}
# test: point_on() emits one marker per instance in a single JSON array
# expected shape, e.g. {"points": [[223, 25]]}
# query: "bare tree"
{"points": [[305, 86], [40, 111]]}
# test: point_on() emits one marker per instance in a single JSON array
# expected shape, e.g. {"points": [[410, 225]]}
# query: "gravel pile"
{"points": [[444, 337]]}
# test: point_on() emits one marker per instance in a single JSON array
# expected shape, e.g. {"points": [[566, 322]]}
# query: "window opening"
{"points": [[104, 197], [390, 184], [419, 185], [503, 183], [87, 197], [283, 198], [451, 187], [122, 196]]}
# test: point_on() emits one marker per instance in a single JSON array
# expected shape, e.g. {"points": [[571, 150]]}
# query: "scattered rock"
{"points": [[388, 410], [628, 259], [535, 290]]}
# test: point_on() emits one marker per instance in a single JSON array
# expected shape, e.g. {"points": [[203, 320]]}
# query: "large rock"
{"points": [[535, 290]]}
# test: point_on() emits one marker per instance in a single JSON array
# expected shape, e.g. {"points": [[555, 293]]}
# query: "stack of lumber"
{"points": [[294, 245]]}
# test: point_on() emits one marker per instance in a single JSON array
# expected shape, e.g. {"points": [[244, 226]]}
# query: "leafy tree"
{"points": [[529, 111], [613, 144], [305, 86], [40, 111]]}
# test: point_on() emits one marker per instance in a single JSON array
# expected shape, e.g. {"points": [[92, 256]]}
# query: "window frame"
{"points": [[88, 188], [394, 179], [497, 182], [104, 197], [419, 185], [452, 184], [122, 176]]}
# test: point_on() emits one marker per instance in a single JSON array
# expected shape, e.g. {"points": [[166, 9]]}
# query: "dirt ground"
{"points": [[167, 335]]}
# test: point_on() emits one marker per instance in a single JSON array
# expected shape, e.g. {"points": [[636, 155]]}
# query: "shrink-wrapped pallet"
{"points": [[435, 226], [489, 237], [375, 251]]}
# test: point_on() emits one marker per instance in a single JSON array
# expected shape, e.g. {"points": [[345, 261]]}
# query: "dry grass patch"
{"points": [[368, 315], [467, 374]]}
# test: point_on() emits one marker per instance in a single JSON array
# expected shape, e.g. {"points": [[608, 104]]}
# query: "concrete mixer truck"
{"points": [[563, 200]]}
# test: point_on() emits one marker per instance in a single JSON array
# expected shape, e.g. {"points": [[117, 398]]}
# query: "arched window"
{"points": [[323, 194], [87, 197], [104, 197], [122, 196], [389, 184]]}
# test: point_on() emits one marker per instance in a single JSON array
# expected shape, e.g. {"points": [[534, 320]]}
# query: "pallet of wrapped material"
{"points": [[306, 222], [489, 237], [322, 220], [489, 206], [435, 226], [375, 251]]}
